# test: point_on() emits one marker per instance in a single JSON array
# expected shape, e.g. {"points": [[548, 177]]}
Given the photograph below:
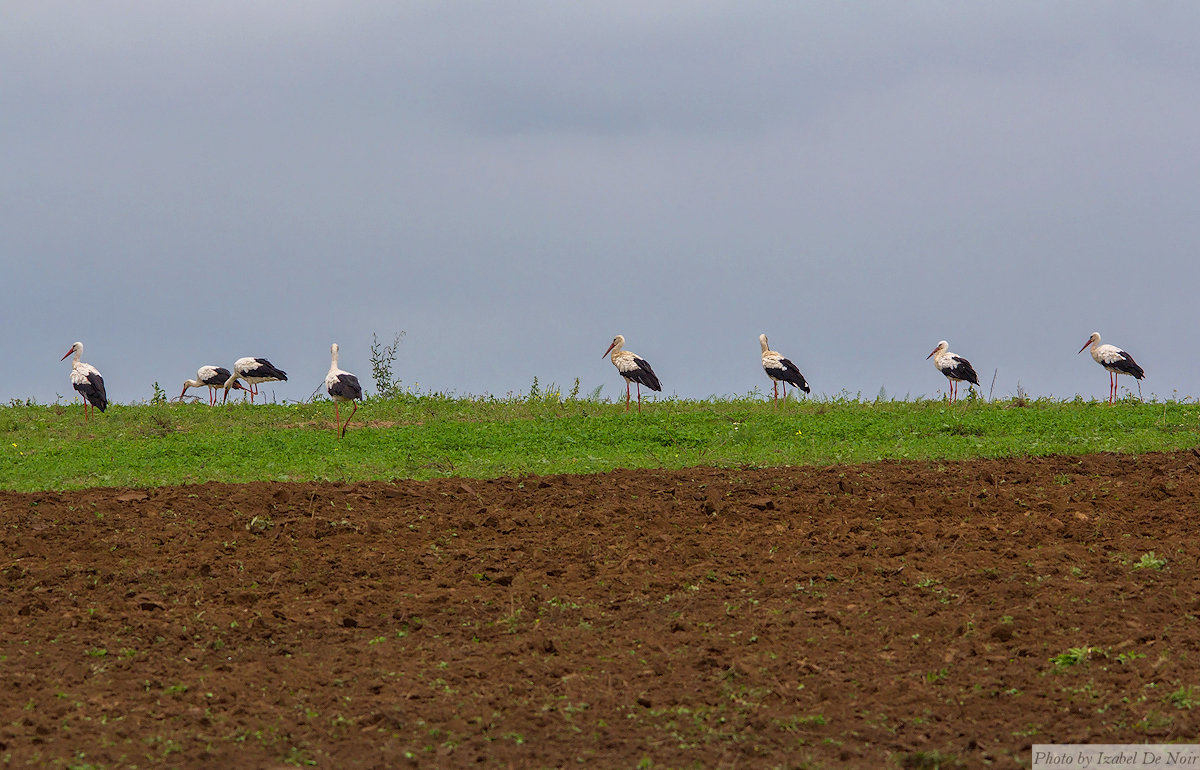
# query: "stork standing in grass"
{"points": [[780, 369], [253, 371], [342, 386], [1116, 361], [633, 368], [956, 368], [87, 381], [212, 376]]}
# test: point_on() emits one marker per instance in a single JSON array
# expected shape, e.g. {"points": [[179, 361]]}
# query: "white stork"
{"points": [[253, 371], [956, 368], [780, 369], [1115, 360], [633, 368], [212, 376], [342, 386], [86, 379]]}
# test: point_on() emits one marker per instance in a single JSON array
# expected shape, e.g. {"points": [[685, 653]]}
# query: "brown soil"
{"points": [[889, 615]]}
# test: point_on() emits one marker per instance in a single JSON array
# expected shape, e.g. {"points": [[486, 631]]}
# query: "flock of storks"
{"points": [[636, 370], [1112, 358], [343, 386]]}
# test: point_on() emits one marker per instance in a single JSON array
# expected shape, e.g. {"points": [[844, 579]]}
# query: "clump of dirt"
{"points": [[894, 614]]}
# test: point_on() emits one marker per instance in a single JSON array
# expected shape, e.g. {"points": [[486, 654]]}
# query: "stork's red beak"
{"points": [[931, 354], [610, 347], [69, 352], [1085, 347]]}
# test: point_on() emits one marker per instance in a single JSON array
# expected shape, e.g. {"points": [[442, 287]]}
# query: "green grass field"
{"points": [[422, 436]]}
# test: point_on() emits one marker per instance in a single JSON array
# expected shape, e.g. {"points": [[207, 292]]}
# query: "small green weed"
{"points": [[1184, 698], [1150, 561], [383, 358], [1072, 657]]}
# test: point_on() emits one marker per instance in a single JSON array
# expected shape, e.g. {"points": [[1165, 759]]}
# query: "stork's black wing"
{"points": [[346, 386], [266, 369], [93, 390], [789, 373], [218, 377], [1126, 365], [643, 374], [962, 370]]}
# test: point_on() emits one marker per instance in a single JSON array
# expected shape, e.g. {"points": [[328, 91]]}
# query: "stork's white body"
{"points": [[633, 368], [253, 371], [342, 386], [213, 377], [87, 381], [780, 370], [1114, 360], [81, 372], [954, 367]]}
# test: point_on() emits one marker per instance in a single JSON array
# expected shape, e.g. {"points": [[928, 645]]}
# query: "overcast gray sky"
{"points": [[511, 184]]}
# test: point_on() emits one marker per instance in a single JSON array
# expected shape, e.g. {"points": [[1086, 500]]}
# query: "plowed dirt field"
{"points": [[890, 615]]}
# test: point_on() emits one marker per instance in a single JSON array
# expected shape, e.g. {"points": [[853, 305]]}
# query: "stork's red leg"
{"points": [[775, 393], [627, 395], [352, 411], [337, 420], [639, 390]]}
